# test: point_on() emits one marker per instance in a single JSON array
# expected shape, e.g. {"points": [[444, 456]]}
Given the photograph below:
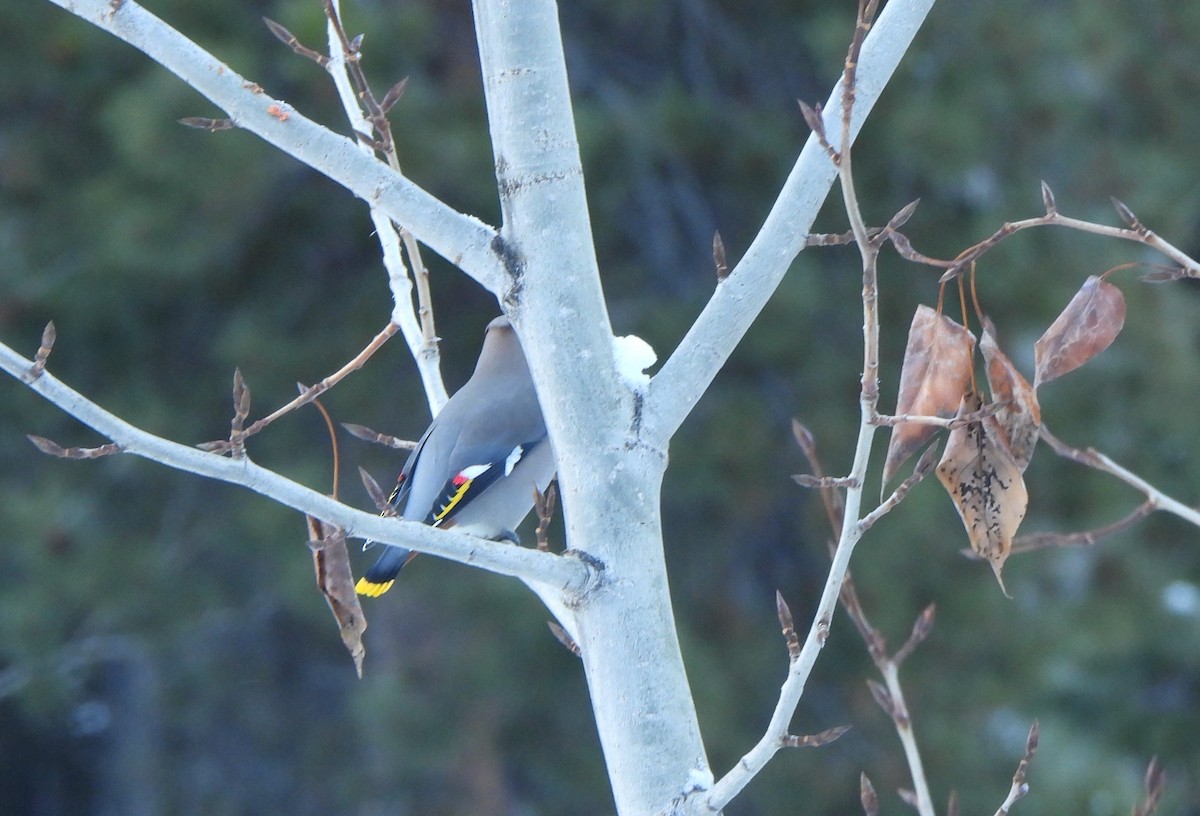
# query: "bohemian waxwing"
{"points": [[477, 465]]}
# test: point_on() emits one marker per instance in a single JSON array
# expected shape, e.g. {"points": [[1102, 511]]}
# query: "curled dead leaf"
{"points": [[1018, 415], [1089, 324], [935, 375], [332, 564], [985, 485]]}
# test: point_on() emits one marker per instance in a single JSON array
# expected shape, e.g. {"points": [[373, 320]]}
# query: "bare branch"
{"points": [[734, 305], [1154, 783], [924, 465], [806, 480], [890, 695], [565, 573], [1137, 233], [1019, 786], [289, 39], [1083, 538], [367, 435], [830, 497], [1094, 459], [407, 273], [310, 393], [461, 239], [921, 629]]}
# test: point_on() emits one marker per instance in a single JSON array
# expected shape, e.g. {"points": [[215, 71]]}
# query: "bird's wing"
{"points": [[471, 480]]}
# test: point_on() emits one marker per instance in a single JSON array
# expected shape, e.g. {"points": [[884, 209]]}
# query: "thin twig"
{"points": [[1019, 786], [1154, 783], [851, 531], [309, 393], [406, 268], [375, 437], [1092, 458], [835, 506], [1082, 538], [563, 572], [890, 695], [924, 465], [950, 423], [1138, 233]]}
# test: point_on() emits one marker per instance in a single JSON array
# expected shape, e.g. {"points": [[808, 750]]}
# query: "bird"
{"points": [[476, 467]]}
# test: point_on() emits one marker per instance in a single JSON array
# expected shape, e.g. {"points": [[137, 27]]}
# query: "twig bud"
{"points": [[866, 793], [719, 262], [1048, 200], [562, 637]]}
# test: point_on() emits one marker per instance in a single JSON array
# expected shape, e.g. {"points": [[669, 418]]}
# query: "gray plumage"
{"points": [[477, 465]]}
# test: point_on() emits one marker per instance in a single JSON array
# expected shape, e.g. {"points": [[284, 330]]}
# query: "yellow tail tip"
{"points": [[372, 589]]}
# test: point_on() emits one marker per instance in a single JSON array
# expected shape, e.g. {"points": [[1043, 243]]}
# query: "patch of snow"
{"points": [[634, 355]]}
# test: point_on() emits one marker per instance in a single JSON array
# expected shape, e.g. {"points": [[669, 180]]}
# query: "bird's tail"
{"points": [[380, 577]]}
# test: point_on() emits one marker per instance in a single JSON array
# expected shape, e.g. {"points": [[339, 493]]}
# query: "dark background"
{"points": [[162, 648]]}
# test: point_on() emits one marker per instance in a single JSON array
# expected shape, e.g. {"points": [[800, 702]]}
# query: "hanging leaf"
{"points": [[1018, 417], [935, 375], [332, 565], [985, 485], [1089, 324]]}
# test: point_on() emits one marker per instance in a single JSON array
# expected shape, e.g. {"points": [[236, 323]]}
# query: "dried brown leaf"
{"points": [[1089, 324], [1018, 415], [935, 375], [331, 562], [985, 485]]}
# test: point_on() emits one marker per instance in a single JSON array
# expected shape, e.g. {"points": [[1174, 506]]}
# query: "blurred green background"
{"points": [[162, 648]]}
